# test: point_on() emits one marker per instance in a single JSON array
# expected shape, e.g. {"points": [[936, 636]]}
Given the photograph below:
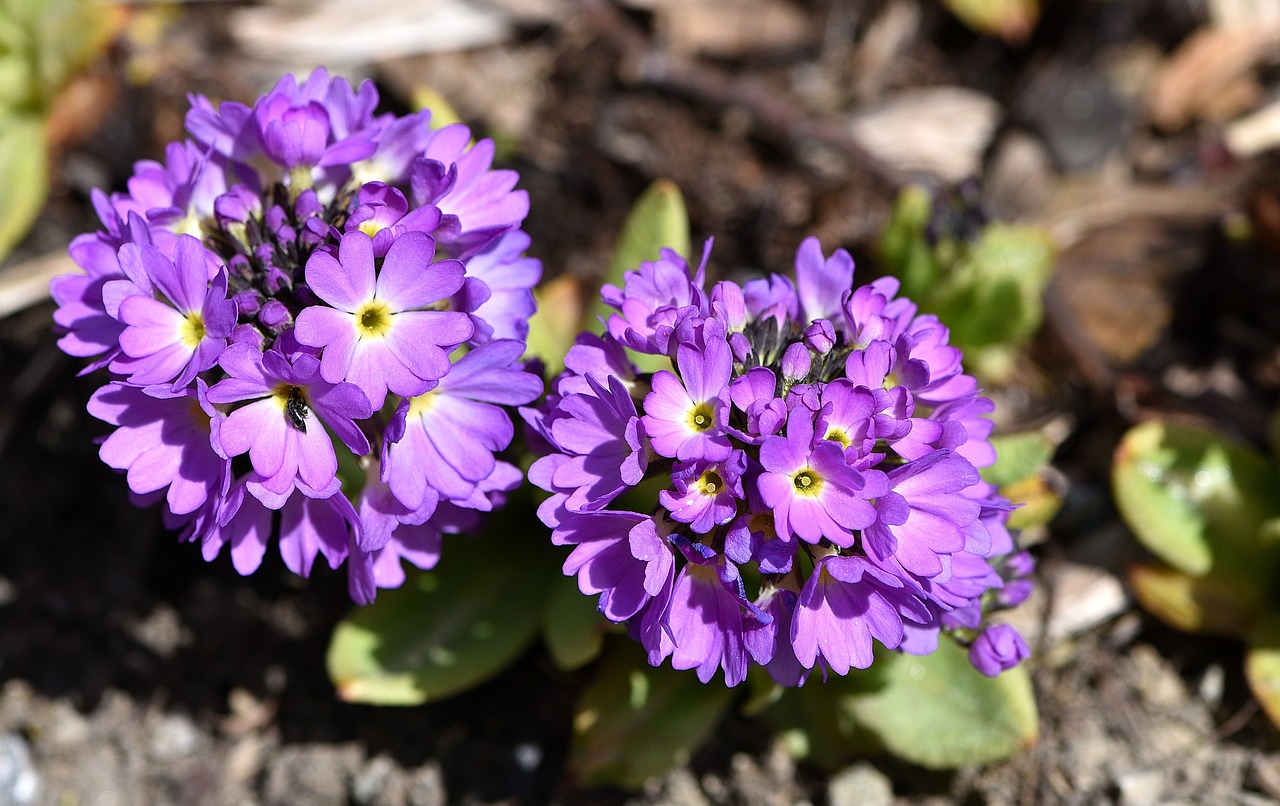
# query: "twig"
{"points": [[644, 65]]}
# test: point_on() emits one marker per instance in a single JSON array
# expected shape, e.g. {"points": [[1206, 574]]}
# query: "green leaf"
{"points": [[938, 712], [1262, 664], [904, 251], [24, 181], [658, 219], [1018, 456], [635, 721], [557, 323], [1197, 500], [993, 295], [444, 632], [1213, 603], [571, 626]]}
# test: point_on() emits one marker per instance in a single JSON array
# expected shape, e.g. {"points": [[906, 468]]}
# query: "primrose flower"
{"points": [[814, 449], [312, 317]]}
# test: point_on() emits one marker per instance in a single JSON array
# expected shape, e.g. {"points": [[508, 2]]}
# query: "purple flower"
{"points": [[376, 335], [285, 262], [845, 604], [814, 437], [601, 451], [813, 492], [683, 415], [163, 442], [998, 648], [284, 443], [451, 433], [703, 627], [183, 332]]}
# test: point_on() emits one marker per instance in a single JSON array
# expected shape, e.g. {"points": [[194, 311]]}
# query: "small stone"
{"points": [[19, 784], [173, 737], [371, 780], [426, 787], [860, 785], [1140, 787]]}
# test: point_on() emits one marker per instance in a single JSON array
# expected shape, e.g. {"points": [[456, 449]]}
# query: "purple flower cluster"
{"points": [[813, 451], [312, 316]]}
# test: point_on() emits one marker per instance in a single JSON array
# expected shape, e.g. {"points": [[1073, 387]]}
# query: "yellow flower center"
{"points": [[421, 404], [192, 332], [373, 319], [838, 435], [701, 417], [807, 482], [371, 228], [710, 483]]}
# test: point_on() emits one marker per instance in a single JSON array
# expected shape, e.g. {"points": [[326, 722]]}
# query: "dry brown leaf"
{"points": [[882, 46], [322, 32], [1122, 247], [731, 28], [1209, 76], [1255, 133], [24, 284], [940, 131]]}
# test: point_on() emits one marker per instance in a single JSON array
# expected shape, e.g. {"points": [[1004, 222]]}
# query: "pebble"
{"points": [[173, 737], [860, 785], [19, 784], [1140, 787], [426, 787]]}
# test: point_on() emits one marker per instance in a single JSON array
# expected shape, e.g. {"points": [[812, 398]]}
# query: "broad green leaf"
{"points": [[556, 324], [1011, 20], [1213, 603], [635, 721], [1262, 664], [1196, 499], [993, 294], [904, 251], [1018, 456], [444, 632], [442, 112], [571, 626], [53, 38], [938, 712], [24, 181], [658, 219]]}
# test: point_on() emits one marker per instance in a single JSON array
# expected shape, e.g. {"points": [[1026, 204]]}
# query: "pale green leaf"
{"points": [[24, 181], [658, 219], [1018, 456], [635, 721], [1262, 664], [938, 712], [572, 628], [445, 631], [1196, 499], [557, 323], [1213, 603]]}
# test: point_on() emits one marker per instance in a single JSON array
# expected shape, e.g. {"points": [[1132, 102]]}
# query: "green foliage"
{"points": [[938, 712], [1207, 507], [635, 721], [572, 628], [42, 43], [1021, 472], [987, 288], [442, 633], [1197, 500]]}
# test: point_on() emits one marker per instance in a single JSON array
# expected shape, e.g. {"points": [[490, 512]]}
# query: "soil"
{"points": [[132, 672]]}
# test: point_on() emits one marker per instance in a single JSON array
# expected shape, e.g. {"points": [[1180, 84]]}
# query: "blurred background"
{"points": [[1136, 136]]}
